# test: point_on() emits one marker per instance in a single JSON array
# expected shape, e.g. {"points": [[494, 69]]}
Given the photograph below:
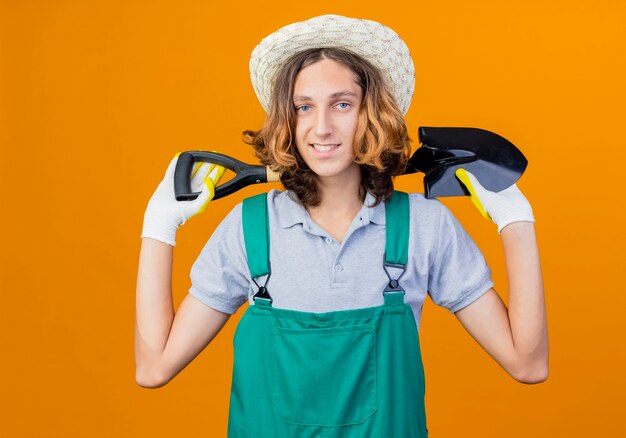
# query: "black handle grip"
{"points": [[245, 174], [182, 175]]}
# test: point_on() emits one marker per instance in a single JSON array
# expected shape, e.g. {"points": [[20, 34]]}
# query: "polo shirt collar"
{"points": [[292, 212]]}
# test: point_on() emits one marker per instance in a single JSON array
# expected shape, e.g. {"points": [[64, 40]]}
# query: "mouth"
{"points": [[324, 147]]}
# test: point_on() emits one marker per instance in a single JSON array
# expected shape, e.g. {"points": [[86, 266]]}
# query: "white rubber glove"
{"points": [[503, 208], [165, 214]]}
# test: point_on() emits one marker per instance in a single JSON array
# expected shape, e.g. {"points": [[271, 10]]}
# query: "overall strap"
{"points": [[256, 237], [397, 219]]}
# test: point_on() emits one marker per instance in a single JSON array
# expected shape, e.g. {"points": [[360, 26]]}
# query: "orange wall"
{"points": [[97, 96]]}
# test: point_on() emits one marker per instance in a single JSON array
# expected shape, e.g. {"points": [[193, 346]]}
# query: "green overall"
{"points": [[342, 374]]}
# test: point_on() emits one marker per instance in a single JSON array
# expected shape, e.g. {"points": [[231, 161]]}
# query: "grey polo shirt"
{"points": [[313, 272]]}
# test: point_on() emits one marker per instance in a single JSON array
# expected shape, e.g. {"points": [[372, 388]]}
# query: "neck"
{"points": [[341, 194], [339, 204]]}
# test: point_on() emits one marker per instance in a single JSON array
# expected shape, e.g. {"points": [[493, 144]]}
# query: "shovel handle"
{"points": [[245, 174]]}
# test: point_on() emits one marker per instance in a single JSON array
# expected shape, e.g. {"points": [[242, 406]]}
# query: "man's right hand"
{"points": [[165, 214]]}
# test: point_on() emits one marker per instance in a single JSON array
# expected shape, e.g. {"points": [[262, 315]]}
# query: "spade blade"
{"points": [[495, 161]]}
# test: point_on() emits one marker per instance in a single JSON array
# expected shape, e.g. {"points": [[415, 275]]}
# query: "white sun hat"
{"points": [[370, 40]]}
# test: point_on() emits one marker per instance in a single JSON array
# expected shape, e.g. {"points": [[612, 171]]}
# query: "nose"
{"points": [[323, 123]]}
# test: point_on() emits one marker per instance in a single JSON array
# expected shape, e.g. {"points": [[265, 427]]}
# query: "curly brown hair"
{"points": [[381, 142]]}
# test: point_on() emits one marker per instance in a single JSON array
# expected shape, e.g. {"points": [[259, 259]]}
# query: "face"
{"points": [[327, 101]]}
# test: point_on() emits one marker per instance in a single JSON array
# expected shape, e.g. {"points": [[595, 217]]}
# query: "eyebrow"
{"points": [[338, 94]]}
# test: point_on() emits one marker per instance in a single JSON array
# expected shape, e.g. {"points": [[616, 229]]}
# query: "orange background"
{"points": [[97, 96]]}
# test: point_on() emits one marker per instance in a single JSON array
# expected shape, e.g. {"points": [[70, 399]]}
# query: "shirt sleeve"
{"points": [[459, 274], [220, 276]]}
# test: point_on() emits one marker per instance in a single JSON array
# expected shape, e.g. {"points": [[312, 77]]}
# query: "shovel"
{"points": [[496, 163]]}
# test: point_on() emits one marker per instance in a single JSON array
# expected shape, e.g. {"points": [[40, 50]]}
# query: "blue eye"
{"points": [[343, 105], [303, 108]]}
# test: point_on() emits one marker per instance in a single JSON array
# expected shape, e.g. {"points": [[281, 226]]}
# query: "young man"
{"points": [[329, 346]]}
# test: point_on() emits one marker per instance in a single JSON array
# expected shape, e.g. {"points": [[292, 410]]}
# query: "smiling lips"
{"points": [[324, 147]]}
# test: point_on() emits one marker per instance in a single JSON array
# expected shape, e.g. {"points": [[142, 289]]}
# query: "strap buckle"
{"points": [[394, 283], [262, 291]]}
